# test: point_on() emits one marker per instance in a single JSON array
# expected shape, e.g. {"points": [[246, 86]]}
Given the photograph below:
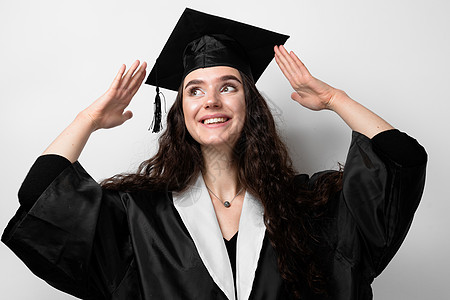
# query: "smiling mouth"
{"points": [[215, 121]]}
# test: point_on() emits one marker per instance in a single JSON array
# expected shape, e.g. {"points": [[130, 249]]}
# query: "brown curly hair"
{"points": [[291, 209]]}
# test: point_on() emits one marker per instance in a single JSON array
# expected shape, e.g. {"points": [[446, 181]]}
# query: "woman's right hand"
{"points": [[106, 112], [109, 110]]}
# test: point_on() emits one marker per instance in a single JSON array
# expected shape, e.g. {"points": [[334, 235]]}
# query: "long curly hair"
{"points": [[291, 209]]}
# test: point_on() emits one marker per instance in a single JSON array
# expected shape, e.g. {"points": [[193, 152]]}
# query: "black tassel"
{"points": [[156, 123]]}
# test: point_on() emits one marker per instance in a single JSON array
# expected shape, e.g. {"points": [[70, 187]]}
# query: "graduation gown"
{"points": [[100, 244]]}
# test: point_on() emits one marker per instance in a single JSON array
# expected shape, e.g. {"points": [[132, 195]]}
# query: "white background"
{"points": [[56, 57]]}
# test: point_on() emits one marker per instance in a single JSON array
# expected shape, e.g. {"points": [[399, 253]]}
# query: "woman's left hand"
{"points": [[317, 95], [310, 92]]}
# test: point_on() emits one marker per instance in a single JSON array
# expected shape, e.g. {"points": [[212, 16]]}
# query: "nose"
{"points": [[213, 101]]}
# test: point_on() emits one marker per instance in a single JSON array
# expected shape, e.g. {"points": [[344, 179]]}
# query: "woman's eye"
{"points": [[195, 92], [228, 89]]}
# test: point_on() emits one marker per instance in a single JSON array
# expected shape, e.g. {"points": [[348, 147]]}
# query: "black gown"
{"points": [[100, 244]]}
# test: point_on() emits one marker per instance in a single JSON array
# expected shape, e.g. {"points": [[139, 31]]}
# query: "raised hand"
{"points": [[317, 95], [310, 92], [106, 112], [109, 110]]}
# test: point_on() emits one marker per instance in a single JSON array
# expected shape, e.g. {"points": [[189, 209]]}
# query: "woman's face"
{"points": [[214, 105]]}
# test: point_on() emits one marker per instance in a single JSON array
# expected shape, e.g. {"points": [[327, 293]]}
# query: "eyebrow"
{"points": [[222, 78]]}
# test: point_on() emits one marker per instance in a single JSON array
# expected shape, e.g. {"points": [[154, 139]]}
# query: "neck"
{"points": [[221, 172]]}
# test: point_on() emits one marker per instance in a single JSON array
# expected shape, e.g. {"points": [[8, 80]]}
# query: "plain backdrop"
{"points": [[56, 57]]}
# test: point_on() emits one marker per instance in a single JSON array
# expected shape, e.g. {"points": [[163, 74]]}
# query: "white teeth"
{"points": [[215, 120]]}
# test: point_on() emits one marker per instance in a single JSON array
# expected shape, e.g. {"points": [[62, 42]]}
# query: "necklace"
{"points": [[226, 203]]}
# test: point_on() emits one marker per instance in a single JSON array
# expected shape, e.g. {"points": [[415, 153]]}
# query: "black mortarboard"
{"points": [[200, 40]]}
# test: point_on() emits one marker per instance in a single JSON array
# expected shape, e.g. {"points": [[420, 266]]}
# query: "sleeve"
{"points": [[382, 186], [44, 170], [74, 236]]}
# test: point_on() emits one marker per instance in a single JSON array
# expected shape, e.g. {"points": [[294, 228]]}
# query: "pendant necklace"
{"points": [[226, 203]]}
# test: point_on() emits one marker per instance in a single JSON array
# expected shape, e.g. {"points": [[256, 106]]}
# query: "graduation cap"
{"points": [[200, 40]]}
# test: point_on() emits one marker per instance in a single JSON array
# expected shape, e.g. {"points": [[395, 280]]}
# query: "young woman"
{"points": [[218, 212]]}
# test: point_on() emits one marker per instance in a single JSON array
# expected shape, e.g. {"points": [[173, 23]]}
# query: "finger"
{"points": [[116, 81], [290, 63], [285, 71], [296, 97], [299, 63], [122, 119], [129, 75], [127, 115], [138, 77], [282, 61], [138, 84], [126, 79]]}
